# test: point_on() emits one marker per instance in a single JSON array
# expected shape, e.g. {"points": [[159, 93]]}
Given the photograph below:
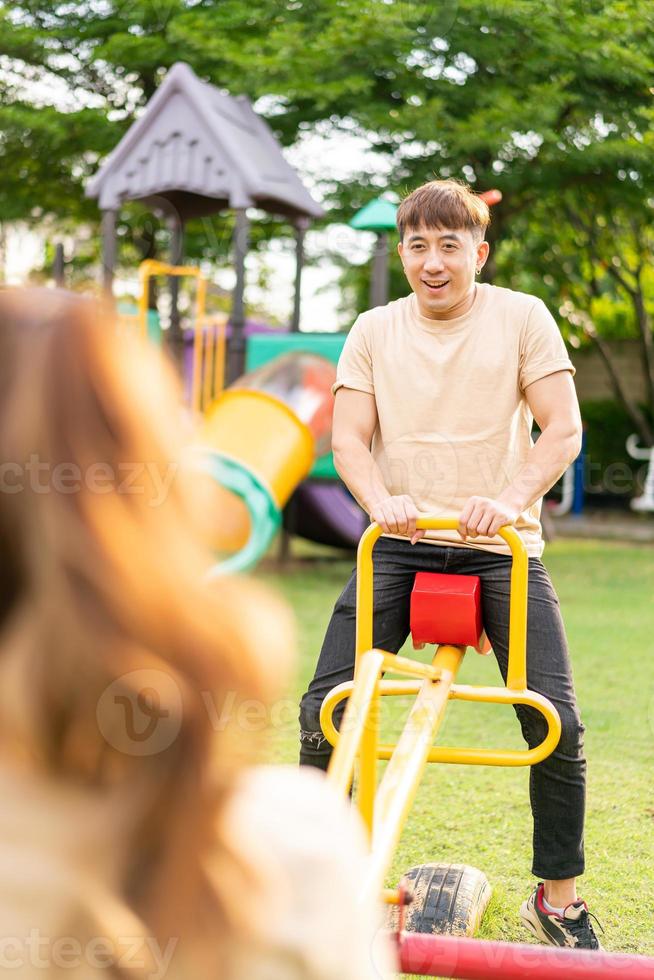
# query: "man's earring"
{"points": [[478, 271]]}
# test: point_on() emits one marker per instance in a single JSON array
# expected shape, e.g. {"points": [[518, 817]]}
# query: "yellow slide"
{"points": [[257, 442]]}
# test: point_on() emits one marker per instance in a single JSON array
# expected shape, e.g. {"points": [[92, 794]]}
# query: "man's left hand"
{"points": [[483, 515]]}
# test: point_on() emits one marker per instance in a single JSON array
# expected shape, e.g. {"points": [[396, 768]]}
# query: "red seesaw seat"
{"points": [[447, 609]]}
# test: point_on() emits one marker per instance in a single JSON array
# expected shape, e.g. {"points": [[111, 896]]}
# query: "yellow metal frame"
{"points": [[209, 332], [385, 808]]}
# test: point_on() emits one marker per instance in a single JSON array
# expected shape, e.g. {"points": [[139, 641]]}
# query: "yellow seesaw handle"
{"points": [[517, 667]]}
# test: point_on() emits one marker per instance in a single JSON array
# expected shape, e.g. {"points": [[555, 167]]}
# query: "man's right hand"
{"points": [[397, 515]]}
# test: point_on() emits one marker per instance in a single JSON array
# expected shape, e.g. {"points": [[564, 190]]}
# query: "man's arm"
{"points": [[355, 421], [553, 403]]}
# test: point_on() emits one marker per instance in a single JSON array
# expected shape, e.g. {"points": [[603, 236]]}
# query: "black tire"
{"points": [[448, 899]]}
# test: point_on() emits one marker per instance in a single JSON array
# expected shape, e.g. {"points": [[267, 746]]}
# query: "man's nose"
{"points": [[433, 261]]}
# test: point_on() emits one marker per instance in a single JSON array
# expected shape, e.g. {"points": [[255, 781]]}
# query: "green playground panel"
{"points": [[262, 348]]}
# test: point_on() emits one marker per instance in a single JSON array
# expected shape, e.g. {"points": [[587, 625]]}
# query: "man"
{"points": [[436, 394]]}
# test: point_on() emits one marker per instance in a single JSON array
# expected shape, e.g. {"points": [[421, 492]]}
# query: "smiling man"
{"points": [[436, 394]]}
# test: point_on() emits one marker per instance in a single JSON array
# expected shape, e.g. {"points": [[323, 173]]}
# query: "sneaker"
{"points": [[573, 929]]}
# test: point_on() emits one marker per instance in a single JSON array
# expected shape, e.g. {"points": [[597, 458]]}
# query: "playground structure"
{"points": [[445, 610], [257, 469], [437, 908], [257, 443], [572, 487], [377, 216], [645, 502], [479, 959], [193, 152], [208, 370], [196, 151]]}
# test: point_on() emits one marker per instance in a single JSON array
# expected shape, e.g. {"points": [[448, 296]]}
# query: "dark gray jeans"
{"points": [[557, 785]]}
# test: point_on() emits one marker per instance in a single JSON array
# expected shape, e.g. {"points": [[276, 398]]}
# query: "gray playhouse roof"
{"points": [[198, 150]]}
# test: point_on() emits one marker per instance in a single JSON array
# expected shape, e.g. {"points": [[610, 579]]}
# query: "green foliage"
{"points": [[46, 156], [579, 260], [609, 468], [550, 103], [481, 89]]}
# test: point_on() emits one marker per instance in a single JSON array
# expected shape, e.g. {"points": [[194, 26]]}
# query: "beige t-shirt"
{"points": [[453, 417]]}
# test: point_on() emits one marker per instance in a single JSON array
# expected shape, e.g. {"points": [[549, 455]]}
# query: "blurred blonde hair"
{"points": [[99, 580]]}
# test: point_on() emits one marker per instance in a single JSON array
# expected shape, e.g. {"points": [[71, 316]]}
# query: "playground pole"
{"points": [[108, 251], [176, 259], [579, 466], [59, 266], [378, 216], [478, 959], [236, 355], [301, 226], [379, 277]]}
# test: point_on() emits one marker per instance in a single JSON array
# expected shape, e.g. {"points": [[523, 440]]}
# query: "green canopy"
{"points": [[377, 215]]}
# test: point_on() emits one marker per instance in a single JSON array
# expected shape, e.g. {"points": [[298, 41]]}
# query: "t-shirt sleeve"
{"points": [[542, 350], [355, 363]]}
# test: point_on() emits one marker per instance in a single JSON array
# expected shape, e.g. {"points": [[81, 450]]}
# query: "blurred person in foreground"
{"points": [[136, 838]]}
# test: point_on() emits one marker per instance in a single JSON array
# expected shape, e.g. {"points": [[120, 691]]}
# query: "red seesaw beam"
{"points": [[478, 959]]}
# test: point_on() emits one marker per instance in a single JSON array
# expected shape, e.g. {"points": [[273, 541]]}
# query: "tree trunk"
{"points": [[646, 343], [630, 406], [3, 252]]}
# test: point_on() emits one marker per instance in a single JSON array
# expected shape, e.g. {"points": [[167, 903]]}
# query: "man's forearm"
{"points": [[360, 474], [548, 459]]}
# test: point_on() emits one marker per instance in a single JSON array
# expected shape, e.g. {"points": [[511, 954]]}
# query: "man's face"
{"points": [[440, 265]]}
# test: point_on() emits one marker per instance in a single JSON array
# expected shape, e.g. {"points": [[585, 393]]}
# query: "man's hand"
{"points": [[397, 515], [483, 515]]}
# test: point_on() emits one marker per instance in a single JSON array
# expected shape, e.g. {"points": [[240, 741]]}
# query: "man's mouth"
{"points": [[435, 284]]}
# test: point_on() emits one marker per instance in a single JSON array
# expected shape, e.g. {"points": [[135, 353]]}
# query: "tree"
{"points": [[481, 89], [596, 272], [549, 102]]}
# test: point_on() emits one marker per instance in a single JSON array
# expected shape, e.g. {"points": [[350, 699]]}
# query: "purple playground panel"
{"points": [[325, 513]]}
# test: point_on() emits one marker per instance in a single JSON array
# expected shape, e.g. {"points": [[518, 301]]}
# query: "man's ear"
{"points": [[400, 248], [482, 253]]}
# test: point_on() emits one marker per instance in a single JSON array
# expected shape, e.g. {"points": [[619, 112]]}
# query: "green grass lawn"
{"points": [[480, 815]]}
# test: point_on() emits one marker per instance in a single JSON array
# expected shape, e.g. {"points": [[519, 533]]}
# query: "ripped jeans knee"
{"points": [[313, 740]]}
